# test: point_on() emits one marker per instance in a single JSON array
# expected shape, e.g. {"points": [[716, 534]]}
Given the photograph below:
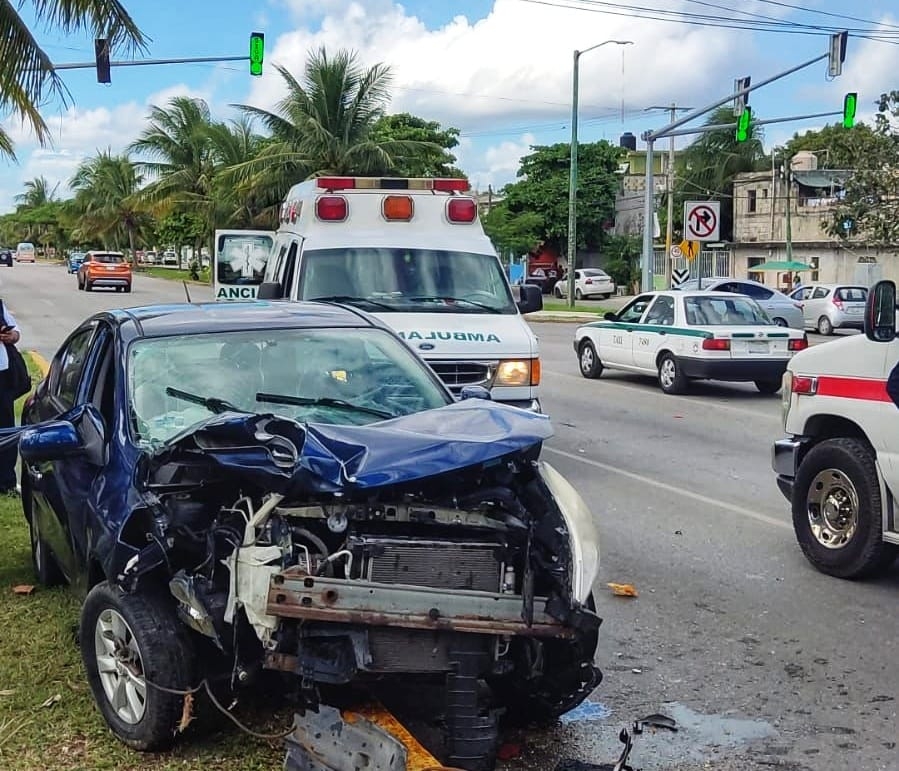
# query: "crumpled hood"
{"points": [[287, 457]]}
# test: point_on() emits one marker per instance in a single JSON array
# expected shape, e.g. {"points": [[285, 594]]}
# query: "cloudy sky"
{"points": [[498, 70]]}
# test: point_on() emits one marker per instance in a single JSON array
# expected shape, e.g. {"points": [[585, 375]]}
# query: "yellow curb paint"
{"points": [[42, 364]]}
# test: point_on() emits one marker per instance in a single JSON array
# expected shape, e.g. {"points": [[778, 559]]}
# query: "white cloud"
{"points": [[500, 163]]}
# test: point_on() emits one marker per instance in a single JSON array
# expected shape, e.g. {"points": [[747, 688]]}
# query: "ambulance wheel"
{"points": [[671, 377], [824, 326], [588, 360], [768, 386], [837, 510]]}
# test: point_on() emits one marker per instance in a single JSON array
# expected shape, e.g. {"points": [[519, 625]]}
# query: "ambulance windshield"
{"points": [[398, 279]]}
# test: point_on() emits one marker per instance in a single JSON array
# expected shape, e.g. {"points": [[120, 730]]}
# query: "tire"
{"points": [[841, 472], [780, 322], [557, 292], [824, 326], [768, 386], [578, 294], [127, 289], [588, 360], [80, 286], [88, 286], [164, 655], [671, 376], [46, 569]]}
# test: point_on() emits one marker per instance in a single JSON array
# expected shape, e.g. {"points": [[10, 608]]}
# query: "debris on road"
{"points": [[623, 590], [23, 589]]}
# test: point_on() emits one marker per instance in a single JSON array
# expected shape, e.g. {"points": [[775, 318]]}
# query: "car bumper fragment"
{"points": [[786, 454], [734, 370]]}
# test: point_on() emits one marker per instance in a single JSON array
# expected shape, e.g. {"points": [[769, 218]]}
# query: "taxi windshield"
{"points": [[396, 279], [345, 376], [724, 311]]}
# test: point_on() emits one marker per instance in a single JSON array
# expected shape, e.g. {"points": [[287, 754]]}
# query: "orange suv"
{"points": [[105, 269]]}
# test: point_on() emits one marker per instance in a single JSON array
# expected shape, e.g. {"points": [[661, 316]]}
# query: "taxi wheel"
{"points": [[671, 378], [588, 360], [837, 510]]}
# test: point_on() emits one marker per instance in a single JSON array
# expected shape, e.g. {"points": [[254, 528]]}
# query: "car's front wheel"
{"points": [[837, 510], [588, 360], [136, 652]]}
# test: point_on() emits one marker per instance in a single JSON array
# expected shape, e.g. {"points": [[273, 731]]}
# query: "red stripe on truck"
{"points": [[866, 389]]}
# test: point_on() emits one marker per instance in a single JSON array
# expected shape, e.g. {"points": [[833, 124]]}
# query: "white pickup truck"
{"points": [[839, 464]]}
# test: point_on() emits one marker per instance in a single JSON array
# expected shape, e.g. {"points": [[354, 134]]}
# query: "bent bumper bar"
{"points": [[299, 596], [786, 455]]}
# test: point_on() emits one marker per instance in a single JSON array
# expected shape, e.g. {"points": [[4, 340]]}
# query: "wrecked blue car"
{"points": [[251, 487]]}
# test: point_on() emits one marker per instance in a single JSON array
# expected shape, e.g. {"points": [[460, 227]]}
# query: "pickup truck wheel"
{"points": [[588, 360], [126, 641], [837, 513]]}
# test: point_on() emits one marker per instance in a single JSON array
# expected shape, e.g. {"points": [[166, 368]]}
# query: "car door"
{"points": [[50, 501], [813, 308], [616, 338], [648, 338]]}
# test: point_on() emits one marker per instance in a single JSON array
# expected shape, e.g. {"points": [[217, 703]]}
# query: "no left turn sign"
{"points": [[702, 220]]}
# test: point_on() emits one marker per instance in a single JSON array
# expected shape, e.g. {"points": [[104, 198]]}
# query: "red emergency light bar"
{"points": [[440, 184]]}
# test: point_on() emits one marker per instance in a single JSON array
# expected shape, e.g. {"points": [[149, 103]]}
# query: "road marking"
{"points": [[659, 395], [714, 502]]}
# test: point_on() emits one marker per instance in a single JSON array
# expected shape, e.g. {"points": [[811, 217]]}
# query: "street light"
{"points": [[572, 181]]}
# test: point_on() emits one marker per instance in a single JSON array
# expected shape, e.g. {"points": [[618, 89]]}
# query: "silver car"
{"points": [[782, 310], [827, 307]]}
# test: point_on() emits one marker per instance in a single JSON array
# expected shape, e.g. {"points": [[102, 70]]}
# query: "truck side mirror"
{"points": [[531, 299], [880, 312]]}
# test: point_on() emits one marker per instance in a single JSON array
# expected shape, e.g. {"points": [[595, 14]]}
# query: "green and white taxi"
{"points": [[684, 336]]}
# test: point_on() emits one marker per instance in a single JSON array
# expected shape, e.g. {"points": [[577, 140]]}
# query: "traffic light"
{"points": [[257, 44], [741, 101], [101, 51], [849, 103], [743, 124]]}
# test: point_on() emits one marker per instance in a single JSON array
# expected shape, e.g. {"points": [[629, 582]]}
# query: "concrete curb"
{"points": [[42, 364], [562, 317]]}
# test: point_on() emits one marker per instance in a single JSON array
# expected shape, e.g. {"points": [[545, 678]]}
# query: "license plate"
{"points": [[110, 267], [855, 311], [758, 346]]}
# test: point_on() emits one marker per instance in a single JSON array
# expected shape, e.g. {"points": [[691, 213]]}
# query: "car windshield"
{"points": [[852, 294], [107, 258], [346, 376], [396, 279], [724, 311]]}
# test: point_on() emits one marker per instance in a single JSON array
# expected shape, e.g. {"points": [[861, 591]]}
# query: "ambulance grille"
{"points": [[456, 374]]}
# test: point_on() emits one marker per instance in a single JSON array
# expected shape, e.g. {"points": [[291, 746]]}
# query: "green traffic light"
{"points": [[743, 124], [257, 45], [849, 104]]}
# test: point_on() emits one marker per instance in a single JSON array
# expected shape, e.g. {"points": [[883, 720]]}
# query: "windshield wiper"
{"points": [[448, 298], [348, 298], [211, 403], [324, 401]]}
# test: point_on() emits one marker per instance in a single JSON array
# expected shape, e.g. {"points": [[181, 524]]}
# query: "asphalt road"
{"points": [[764, 662]]}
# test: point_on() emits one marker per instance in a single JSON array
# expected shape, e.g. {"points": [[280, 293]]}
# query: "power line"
{"points": [[828, 13]]}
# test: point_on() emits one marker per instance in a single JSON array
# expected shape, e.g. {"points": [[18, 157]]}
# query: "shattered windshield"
{"points": [[407, 280], [344, 376]]}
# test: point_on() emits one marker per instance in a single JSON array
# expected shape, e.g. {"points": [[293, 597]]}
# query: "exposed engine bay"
{"points": [[344, 555]]}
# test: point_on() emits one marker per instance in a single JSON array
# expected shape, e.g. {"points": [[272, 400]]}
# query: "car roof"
{"points": [[197, 318], [695, 293], [844, 285]]}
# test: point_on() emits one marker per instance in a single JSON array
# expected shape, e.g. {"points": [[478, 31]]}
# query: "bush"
{"points": [[622, 271], [194, 270]]}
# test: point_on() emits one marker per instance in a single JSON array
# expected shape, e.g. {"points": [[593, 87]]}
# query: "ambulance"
{"points": [[410, 251], [839, 463]]}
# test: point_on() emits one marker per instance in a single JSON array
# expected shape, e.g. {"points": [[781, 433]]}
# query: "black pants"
{"points": [[8, 457]]}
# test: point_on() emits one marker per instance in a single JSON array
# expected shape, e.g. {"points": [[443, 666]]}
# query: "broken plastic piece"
{"points": [[623, 590], [656, 721]]}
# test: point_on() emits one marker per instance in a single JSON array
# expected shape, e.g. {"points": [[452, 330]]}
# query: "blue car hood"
{"points": [[284, 456]]}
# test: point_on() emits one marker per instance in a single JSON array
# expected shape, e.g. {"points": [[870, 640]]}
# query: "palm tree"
{"points": [[36, 193], [27, 76], [324, 124], [106, 196]]}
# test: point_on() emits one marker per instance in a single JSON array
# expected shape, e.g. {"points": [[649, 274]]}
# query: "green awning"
{"points": [[788, 266]]}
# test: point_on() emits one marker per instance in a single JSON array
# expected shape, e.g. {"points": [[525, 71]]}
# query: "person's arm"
{"points": [[10, 330]]}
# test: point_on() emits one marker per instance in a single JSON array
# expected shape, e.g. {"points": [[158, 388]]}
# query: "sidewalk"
{"points": [[615, 303]]}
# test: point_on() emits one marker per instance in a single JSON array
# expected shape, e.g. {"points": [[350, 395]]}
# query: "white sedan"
{"points": [[683, 336], [588, 282]]}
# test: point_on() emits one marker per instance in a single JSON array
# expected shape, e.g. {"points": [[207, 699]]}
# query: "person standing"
{"points": [[9, 333]]}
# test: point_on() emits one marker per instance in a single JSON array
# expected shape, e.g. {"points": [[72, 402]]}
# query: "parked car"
{"points": [[105, 269], [288, 486], [170, 258], [588, 283], [783, 311], [74, 262], [690, 335], [827, 307], [6, 257], [150, 258], [25, 252]]}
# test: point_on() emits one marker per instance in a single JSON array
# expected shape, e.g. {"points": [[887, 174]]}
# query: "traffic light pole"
{"points": [[144, 62], [722, 126], [651, 136]]}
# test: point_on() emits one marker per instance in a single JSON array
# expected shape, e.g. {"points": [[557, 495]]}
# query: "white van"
{"points": [[839, 463], [25, 252], [413, 253]]}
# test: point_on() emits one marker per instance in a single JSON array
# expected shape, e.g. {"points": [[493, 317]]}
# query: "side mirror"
{"points": [[880, 312], [269, 290], [609, 316], [53, 440], [474, 392], [531, 299]]}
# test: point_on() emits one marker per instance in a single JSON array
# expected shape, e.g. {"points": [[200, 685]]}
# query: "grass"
{"points": [[40, 663], [173, 274], [583, 306]]}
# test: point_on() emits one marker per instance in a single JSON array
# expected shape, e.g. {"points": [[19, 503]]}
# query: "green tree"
{"points": [[324, 124], [27, 76], [542, 191], [706, 169], [432, 157], [36, 193], [835, 147], [869, 208], [518, 232]]}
